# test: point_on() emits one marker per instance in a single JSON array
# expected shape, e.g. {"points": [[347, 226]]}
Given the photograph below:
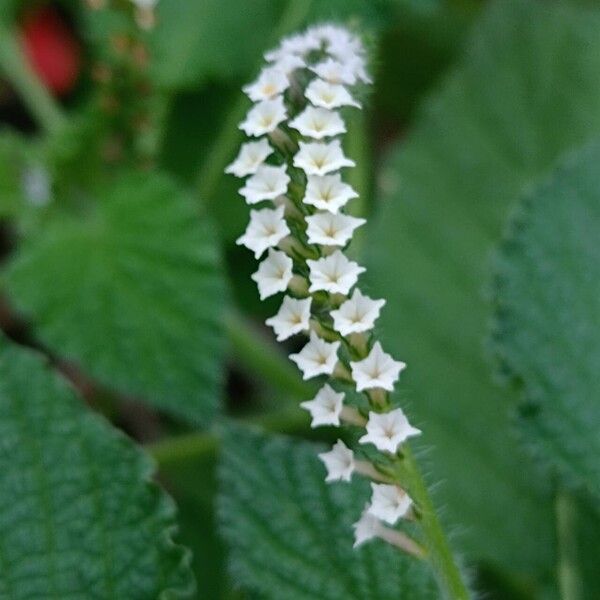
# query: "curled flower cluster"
{"points": [[293, 175]]}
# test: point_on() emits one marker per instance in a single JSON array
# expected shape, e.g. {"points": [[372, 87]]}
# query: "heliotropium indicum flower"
{"points": [[293, 169]]}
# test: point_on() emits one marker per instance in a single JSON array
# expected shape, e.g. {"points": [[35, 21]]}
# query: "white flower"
{"points": [[386, 431], [264, 117], [292, 318], [297, 44], [318, 123], [327, 229], [326, 407], [329, 95], [378, 370], [274, 273], [251, 156], [318, 357], [357, 314], [271, 82], [289, 63], [389, 502], [328, 192], [335, 72], [266, 184], [317, 158], [358, 66], [339, 462], [266, 229], [334, 273], [366, 528]]}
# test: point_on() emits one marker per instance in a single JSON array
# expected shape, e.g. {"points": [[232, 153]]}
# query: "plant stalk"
{"points": [[21, 77]]}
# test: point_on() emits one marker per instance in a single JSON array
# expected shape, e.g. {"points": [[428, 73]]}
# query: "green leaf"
{"points": [[290, 533], [547, 297], [132, 291], [210, 39], [80, 517], [527, 89]]}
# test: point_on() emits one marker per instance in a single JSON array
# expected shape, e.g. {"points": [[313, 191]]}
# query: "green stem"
{"points": [[569, 577], [258, 356], [359, 177], [187, 447], [448, 574], [223, 148], [16, 70]]}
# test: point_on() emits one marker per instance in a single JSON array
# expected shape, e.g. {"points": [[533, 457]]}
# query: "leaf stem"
{"points": [[26, 83], [439, 554], [223, 148], [569, 578], [260, 357], [187, 447]]}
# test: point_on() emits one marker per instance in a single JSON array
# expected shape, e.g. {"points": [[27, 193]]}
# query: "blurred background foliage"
{"points": [[117, 232]]}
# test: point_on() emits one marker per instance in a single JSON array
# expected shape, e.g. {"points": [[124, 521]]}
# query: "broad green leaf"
{"points": [[547, 298], [290, 533], [527, 89], [132, 291], [79, 515], [210, 39], [224, 39]]}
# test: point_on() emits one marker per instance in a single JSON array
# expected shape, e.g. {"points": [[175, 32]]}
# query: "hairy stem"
{"points": [[224, 147], [16, 70], [439, 554]]}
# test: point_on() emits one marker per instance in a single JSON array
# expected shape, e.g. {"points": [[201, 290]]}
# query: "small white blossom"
{"points": [[378, 370], [264, 117], [266, 229], [329, 95], [271, 82], [297, 44], [334, 71], [366, 528], [357, 314], [318, 357], [292, 318], [334, 273], [274, 274], [389, 502], [327, 229], [266, 184], [339, 462], [318, 123], [326, 407], [328, 192], [386, 431], [317, 158], [358, 66], [289, 63], [252, 155]]}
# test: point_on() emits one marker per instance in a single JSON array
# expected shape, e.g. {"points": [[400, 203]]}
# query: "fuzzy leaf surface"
{"points": [[80, 518], [528, 88], [547, 298], [132, 292], [290, 533]]}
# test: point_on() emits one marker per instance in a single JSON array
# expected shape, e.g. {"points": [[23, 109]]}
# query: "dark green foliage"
{"points": [[527, 90], [290, 533], [132, 292], [547, 298], [79, 517]]}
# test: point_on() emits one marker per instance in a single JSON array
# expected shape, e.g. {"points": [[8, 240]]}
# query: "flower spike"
{"points": [[293, 166]]}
